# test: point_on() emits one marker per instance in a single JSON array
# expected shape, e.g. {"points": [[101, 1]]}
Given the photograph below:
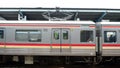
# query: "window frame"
{"points": [[40, 36], [110, 31], [66, 33], [54, 35], [19, 39], [93, 31], [28, 31], [3, 34]]}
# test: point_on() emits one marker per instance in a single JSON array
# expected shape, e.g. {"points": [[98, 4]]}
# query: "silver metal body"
{"points": [[63, 47], [110, 48]]}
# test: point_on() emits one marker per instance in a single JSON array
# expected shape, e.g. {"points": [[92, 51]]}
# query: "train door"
{"points": [[2, 40], [60, 40], [55, 47]]}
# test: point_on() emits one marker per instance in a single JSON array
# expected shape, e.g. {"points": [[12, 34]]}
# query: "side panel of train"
{"points": [[47, 41], [110, 40]]}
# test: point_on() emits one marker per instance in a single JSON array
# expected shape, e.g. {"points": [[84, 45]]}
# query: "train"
{"points": [[32, 42]]}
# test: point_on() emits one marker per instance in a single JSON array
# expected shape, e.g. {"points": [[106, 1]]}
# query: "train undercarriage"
{"points": [[57, 60], [46, 59]]}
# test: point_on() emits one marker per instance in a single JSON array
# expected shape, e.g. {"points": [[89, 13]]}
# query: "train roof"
{"points": [[47, 22]]}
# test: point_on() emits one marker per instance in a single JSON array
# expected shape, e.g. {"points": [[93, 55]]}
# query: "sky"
{"points": [[111, 4]]}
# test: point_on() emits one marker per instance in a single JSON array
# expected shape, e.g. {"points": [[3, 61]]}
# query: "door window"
{"points": [[65, 35], [56, 35]]}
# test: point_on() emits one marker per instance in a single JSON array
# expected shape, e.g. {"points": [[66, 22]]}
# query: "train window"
{"points": [[1, 34], [35, 36], [21, 35], [56, 35], [65, 35], [86, 36], [110, 36], [28, 35]]}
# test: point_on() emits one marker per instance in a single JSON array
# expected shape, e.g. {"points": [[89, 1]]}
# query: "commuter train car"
{"points": [[41, 41], [47, 38]]}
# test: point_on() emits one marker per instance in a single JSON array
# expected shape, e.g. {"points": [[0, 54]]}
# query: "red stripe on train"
{"points": [[28, 44], [73, 44], [111, 45], [83, 44]]}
